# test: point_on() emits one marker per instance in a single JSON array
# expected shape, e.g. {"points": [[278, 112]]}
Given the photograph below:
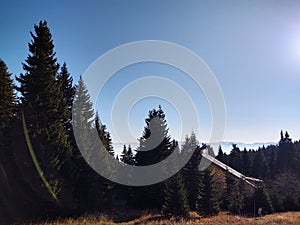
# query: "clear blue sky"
{"points": [[253, 48]]}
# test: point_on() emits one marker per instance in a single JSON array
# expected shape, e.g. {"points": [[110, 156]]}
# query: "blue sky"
{"points": [[253, 48]]}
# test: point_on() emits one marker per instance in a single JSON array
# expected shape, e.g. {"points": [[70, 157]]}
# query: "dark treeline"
{"points": [[43, 173], [277, 165]]}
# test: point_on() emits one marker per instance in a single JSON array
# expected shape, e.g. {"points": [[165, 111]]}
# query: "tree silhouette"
{"points": [[7, 100], [154, 146], [66, 83], [175, 200], [191, 170], [127, 156], [262, 199], [41, 97], [208, 203]]}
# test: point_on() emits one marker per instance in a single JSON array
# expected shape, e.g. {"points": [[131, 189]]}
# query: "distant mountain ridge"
{"points": [[226, 146]]}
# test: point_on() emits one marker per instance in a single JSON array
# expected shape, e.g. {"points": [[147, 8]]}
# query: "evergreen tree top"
{"points": [[7, 95], [41, 48], [41, 68], [285, 138], [156, 123]]}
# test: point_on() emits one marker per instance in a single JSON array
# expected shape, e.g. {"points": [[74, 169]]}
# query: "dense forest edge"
{"points": [[43, 175]]}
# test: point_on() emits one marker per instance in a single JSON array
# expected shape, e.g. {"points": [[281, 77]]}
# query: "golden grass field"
{"points": [[151, 218]]}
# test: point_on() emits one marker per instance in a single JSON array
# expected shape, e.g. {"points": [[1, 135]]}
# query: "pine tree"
{"points": [[208, 203], [220, 155], [272, 163], [66, 83], [104, 135], [154, 146], [130, 156], [191, 171], [262, 200], [92, 191], [41, 94], [7, 96], [175, 200], [287, 157], [124, 154], [234, 200], [83, 119], [127, 156], [155, 143], [106, 141], [7, 108], [260, 166], [246, 162], [83, 115], [235, 158], [39, 87], [127, 192], [41, 97]]}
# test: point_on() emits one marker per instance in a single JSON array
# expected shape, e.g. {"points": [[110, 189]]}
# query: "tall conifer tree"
{"points": [[40, 102], [127, 156], [208, 202], [7, 98], [155, 145], [175, 200], [191, 170], [66, 83], [7, 108]]}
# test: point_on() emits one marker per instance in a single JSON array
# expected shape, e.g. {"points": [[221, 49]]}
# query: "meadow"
{"points": [[155, 218]]}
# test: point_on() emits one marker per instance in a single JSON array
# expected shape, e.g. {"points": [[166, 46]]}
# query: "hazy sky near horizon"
{"points": [[252, 47]]}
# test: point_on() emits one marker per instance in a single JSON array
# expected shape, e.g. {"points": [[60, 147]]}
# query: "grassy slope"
{"points": [[223, 218]]}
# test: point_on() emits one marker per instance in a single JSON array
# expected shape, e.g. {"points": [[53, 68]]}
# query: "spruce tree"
{"points": [[39, 88], [104, 135], [287, 158], [272, 163], [83, 116], [220, 155], [127, 156], [124, 154], [130, 156], [154, 146], [208, 202], [149, 152], [127, 192], [260, 166], [106, 140], [41, 97], [41, 94], [7, 108], [191, 170], [234, 199], [7, 96], [66, 83], [235, 158], [246, 162], [83, 120], [262, 200], [175, 200], [91, 190]]}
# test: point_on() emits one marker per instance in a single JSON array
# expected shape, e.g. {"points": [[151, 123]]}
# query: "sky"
{"points": [[252, 47]]}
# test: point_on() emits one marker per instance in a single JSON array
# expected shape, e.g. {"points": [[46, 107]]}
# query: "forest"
{"points": [[44, 175]]}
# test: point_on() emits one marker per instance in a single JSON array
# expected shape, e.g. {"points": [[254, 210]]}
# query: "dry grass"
{"points": [[154, 218]]}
